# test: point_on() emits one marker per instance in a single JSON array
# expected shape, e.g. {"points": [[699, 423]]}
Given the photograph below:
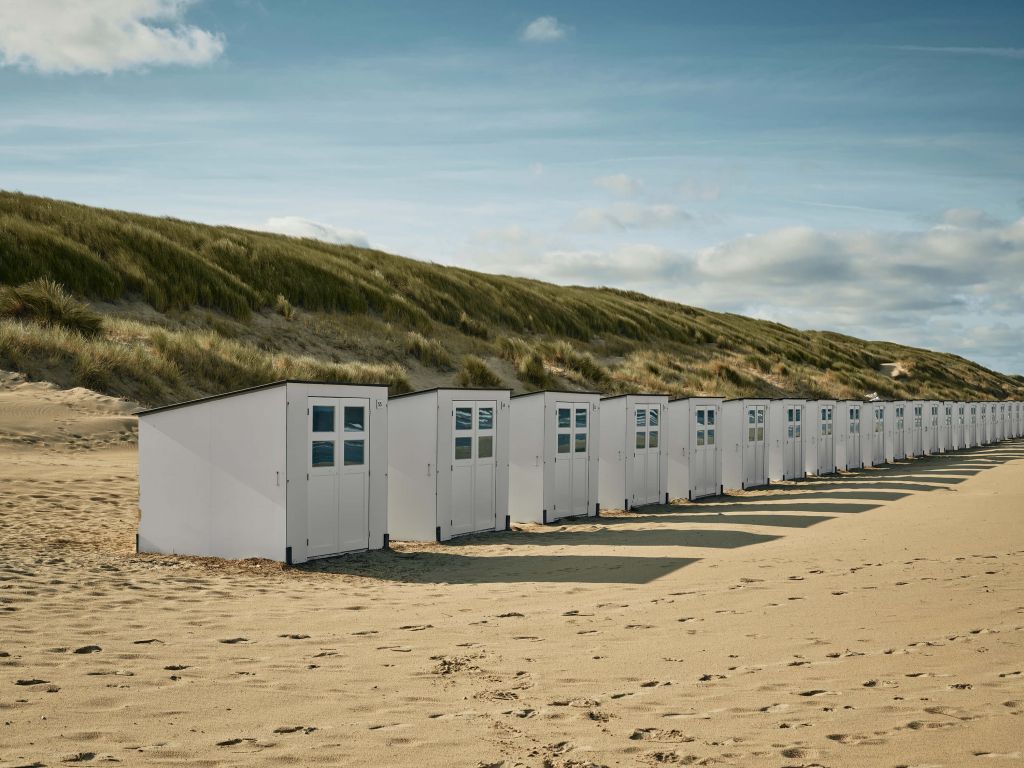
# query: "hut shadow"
{"points": [[447, 567], [598, 535]]}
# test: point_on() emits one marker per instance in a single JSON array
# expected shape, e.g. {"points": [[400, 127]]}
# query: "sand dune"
{"points": [[874, 619]]}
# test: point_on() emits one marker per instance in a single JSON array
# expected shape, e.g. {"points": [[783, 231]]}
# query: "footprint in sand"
{"points": [[417, 627], [294, 729], [707, 677], [88, 649], [150, 641], [660, 734], [234, 640], [852, 739], [234, 742], [817, 692], [31, 681], [366, 632], [176, 667], [1010, 674], [1003, 755], [511, 615], [881, 684], [78, 757], [294, 637]]}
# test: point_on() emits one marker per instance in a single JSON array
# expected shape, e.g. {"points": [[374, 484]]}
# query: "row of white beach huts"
{"points": [[297, 470]]}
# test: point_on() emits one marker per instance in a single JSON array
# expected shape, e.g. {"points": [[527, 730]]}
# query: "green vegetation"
{"points": [[474, 373], [158, 309], [47, 303]]}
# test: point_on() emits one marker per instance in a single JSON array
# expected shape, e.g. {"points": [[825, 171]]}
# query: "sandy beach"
{"points": [[870, 619]]}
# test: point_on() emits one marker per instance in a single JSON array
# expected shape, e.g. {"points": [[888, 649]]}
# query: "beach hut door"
{"points": [[705, 439], [646, 453], [754, 455], [572, 459], [338, 517], [473, 465], [826, 454]]}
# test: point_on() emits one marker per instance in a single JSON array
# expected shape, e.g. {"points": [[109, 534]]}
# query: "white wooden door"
{"points": [[646, 453], [754, 454], [572, 459], [705, 445], [853, 437], [878, 436], [794, 450], [826, 444], [474, 466], [338, 486]]}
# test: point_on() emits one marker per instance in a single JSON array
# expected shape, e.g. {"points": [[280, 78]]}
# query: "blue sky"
{"points": [[856, 166]]}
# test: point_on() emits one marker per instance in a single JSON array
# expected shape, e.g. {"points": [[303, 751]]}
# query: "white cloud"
{"points": [[544, 29], [619, 184], [75, 36], [296, 226], [954, 287], [623, 216]]}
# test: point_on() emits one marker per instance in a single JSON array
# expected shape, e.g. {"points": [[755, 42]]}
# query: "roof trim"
{"points": [[635, 394], [451, 389], [555, 392], [247, 390], [697, 397]]}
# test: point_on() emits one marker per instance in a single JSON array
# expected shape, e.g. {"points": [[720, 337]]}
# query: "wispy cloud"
{"points": [[544, 29], [70, 36], [619, 184], [965, 50], [622, 216], [296, 226]]}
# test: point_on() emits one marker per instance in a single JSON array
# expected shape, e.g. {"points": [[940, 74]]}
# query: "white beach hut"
{"points": [[448, 467], [786, 439], [947, 411], [875, 426], [553, 456], [287, 471], [972, 429], [634, 461], [916, 447], [931, 427], [897, 429], [745, 450], [958, 440], [694, 447], [848, 434], [820, 453], [983, 428], [1018, 416]]}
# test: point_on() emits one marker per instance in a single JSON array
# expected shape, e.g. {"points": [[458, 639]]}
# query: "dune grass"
{"points": [[219, 307]]}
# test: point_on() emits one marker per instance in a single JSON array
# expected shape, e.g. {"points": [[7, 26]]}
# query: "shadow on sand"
{"points": [[795, 504]]}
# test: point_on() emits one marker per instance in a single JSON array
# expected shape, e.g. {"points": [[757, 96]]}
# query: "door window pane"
{"points": [[751, 417], [798, 430], [323, 418], [463, 447], [652, 441], [711, 417], [641, 417], [485, 446], [790, 430], [654, 417], [789, 415], [355, 453], [355, 418], [581, 442], [700, 417], [822, 414], [641, 439], [485, 418], [581, 418], [463, 418], [563, 443], [830, 427], [751, 431], [760, 416], [564, 418], [711, 437], [323, 453], [700, 437], [760, 434]]}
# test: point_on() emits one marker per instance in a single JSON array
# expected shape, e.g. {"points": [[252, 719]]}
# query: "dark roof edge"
{"points": [[554, 392], [697, 397], [635, 394], [247, 390], [451, 389]]}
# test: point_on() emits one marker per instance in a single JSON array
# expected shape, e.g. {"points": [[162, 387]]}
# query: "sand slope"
{"points": [[872, 619]]}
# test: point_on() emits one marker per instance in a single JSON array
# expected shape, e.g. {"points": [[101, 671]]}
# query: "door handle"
{"points": [[428, 469]]}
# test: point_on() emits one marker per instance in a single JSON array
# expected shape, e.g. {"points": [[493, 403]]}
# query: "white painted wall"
{"points": [[526, 497], [212, 477]]}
